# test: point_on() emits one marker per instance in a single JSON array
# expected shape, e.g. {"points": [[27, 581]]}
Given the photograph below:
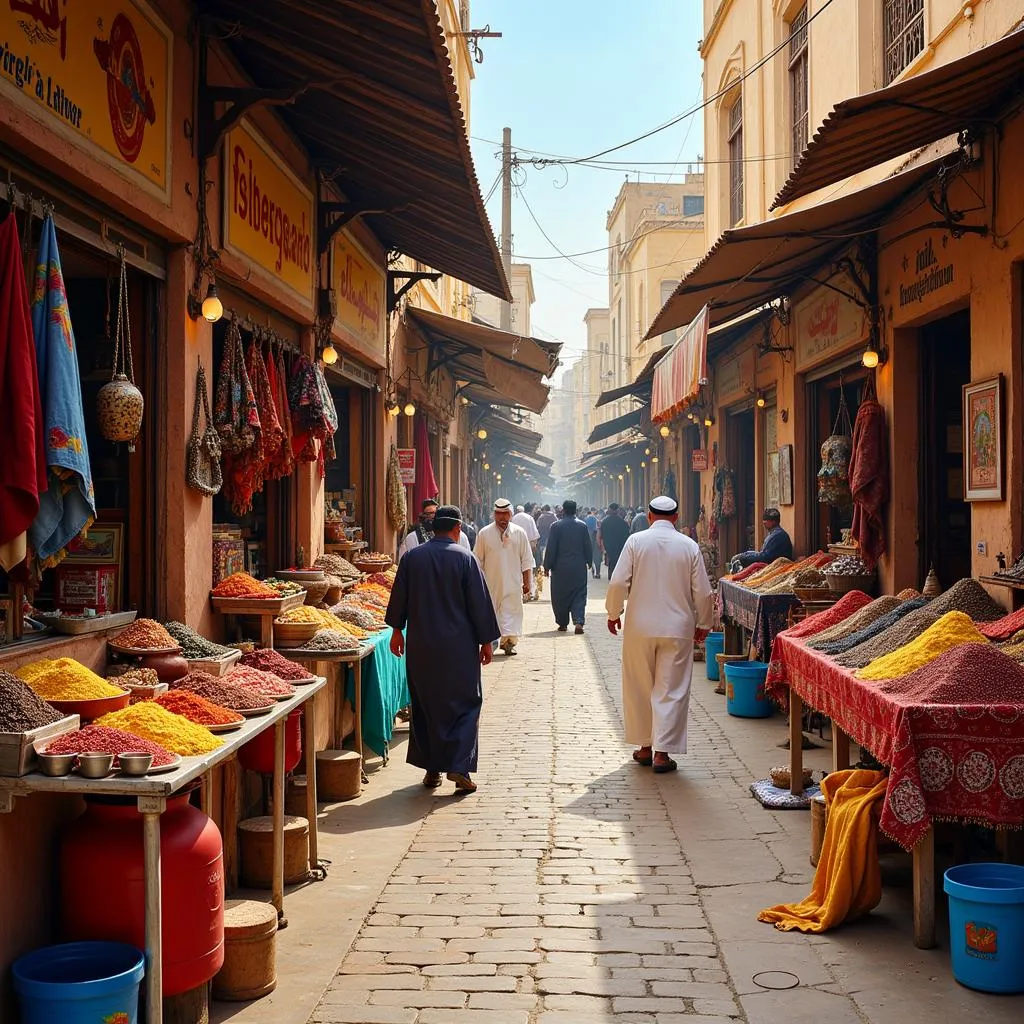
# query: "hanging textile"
{"points": [[869, 477], [396, 509], [271, 434], [305, 402], [426, 485], [68, 506], [281, 464], [833, 477], [23, 466], [330, 427], [243, 466], [203, 470], [234, 410]]}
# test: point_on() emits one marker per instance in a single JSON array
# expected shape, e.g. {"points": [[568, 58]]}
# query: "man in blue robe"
{"points": [[569, 555], [440, 599]]}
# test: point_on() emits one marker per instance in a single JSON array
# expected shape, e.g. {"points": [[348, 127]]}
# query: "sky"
{"points": [[572, 78]]}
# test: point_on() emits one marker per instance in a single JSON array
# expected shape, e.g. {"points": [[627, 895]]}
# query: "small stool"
{"points": [[250, 951], [338, 775], [256, 851]]}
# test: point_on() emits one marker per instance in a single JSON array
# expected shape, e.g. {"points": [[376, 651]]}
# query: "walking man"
{"points": [[592, 525], [612, 533], [669, 607], [440, 599], [569, 556], [545, 520], [525, 521], [504, 554], [424, 530]]}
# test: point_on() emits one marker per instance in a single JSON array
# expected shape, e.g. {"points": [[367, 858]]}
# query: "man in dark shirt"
{"points": [[612, 534], [777, 543]]}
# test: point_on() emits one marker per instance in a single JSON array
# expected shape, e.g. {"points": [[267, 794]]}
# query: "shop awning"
{"points": [[640, 386], [610, 428], [679, 376], [521, 438], [749, 267], [380, 109], [868, 130], [482, 394], [534, 459]]}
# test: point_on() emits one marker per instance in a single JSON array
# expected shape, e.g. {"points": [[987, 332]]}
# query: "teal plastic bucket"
{"points": [[714, 643], [80, 983], [744, 689], [986, 925]]}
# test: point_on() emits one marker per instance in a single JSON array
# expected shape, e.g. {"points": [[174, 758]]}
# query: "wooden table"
{"points": [[152, 793], [346, 545], [266, 608]]}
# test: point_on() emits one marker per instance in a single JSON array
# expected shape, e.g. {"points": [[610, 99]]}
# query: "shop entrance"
{"points": [[741, 532], [944, 517]]}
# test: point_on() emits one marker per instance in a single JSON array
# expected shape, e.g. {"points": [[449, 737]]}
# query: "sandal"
{"points": [[432, 780], [668, 765], [643, 759], [463, 783]]}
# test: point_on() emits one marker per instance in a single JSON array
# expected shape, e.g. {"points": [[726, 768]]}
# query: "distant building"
{"points": [[487, 308]]}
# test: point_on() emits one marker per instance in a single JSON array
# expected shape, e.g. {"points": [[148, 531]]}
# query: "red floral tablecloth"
{"points": [[956, 762]]}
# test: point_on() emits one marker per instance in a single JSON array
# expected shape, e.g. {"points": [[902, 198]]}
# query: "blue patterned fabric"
{"points": [[68, 507]]}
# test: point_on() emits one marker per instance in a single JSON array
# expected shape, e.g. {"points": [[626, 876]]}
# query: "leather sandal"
{"points": [[432, 780], [463, 783], [646, 760], [668, 765]]}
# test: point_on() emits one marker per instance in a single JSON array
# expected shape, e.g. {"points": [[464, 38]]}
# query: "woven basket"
{"points": [[378, 565], [814, 593], [844, 584], [315, 591], [293, 634], [782, 777]]}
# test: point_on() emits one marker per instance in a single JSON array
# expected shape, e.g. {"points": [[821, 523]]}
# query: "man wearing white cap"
{"points": [[669, 607], [528, 525], [504, 554]]}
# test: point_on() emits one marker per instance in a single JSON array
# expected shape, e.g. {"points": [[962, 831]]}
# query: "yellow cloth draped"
{"points": [[848, 880]]}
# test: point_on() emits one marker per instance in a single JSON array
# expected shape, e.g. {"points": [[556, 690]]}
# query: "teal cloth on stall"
{"points": [[385, 692]]}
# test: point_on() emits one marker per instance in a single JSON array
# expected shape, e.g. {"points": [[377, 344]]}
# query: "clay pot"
{"points": [[119, 408], [168, 667]]}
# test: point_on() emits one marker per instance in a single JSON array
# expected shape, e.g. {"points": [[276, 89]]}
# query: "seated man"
{"points": [[776, 544]]}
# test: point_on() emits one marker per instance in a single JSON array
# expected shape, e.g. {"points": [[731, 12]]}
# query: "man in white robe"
{"points": [[504, 554], [525, 521], [662, 574]]}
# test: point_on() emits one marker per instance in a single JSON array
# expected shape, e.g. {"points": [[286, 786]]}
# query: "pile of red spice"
{"points": [[261, 682], [197, 709], [966, 674], [276, 664], [846, 606], [104, 740], [1004, 628], [241, 584], [218, 691]]}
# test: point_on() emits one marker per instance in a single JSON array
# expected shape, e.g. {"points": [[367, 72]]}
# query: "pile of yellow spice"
{"points": [[173, 732], [951, 630], [323, 619], [65, 679]]}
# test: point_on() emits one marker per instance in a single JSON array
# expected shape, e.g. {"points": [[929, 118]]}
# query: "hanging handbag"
{"points": [[119, 404], [834, 475], [203, 471]]}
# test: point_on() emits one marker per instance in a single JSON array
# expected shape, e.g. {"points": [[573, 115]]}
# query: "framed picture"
{"points": [[983, 440], [786, 474], [771, 489], [101, 545]]}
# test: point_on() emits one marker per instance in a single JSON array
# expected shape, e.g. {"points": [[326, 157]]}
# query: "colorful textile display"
{"points": [[271, 433], [869, 478], [283, 463], [426, 484], [68, 506], [23, 467], [848, 879], [314, 417], [234, 407]]}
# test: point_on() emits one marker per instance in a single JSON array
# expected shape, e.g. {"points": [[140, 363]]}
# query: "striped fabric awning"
{"points": [[679, 376]]}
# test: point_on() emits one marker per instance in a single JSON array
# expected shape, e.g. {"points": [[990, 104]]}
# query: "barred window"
{"points": [[902, 35], [735, 138], [799, 83]]}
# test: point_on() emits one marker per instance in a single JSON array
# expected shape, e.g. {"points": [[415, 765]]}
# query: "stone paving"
{"points": [[576, 887]]}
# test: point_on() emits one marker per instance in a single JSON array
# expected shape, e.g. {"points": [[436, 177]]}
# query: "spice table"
{"points": [[266, 608], [763, 615], [152, 793]]}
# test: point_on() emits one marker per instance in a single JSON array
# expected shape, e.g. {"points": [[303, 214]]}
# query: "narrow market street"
{"points": [[576, 887]]}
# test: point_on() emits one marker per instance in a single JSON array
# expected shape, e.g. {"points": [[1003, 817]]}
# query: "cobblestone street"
{"points": [[578, 887]]}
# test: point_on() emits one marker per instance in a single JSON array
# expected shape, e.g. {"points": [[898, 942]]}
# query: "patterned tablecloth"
{"points": [[954, 762], [765, 615]]}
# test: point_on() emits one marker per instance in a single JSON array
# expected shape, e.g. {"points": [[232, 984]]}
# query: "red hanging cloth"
{"points": [[869, 478], [426, 484]]}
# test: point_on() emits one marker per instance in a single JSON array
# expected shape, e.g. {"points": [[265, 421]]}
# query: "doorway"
{"points": [[944, 516], [741, 532]]}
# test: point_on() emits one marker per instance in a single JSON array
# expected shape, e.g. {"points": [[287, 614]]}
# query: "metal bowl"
{"points": [[135, 762], [55, 764], [93, 764]]}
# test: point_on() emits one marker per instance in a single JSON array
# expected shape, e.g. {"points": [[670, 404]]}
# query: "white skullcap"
{"points": [[503, 505], [663, 505], [519, 508]]}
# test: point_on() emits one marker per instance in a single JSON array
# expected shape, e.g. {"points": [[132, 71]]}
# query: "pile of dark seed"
{"points": [[971, 598], [193, 645], [873, 629], [20, 708], [899, 634], [857, 621]]}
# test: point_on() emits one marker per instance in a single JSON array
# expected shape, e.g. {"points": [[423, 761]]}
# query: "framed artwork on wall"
{"points": [[983, 439], [785, 474], [771, 488], [101, 545]]}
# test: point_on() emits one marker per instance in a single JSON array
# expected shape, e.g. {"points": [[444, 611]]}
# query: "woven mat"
{"points": [[781, 799]]}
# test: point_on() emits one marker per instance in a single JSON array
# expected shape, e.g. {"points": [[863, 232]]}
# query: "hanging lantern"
{"points": [[119, 404]]}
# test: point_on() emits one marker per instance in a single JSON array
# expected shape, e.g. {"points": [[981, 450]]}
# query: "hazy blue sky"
{"points": [[573, 77]]}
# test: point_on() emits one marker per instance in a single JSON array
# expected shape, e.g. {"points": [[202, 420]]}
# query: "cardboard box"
{"points": [[87, 586]]}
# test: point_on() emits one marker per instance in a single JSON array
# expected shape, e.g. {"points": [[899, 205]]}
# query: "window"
{"points": [[735, 140], [798, 83], [902, 35], [667, 290], [693, 206]]}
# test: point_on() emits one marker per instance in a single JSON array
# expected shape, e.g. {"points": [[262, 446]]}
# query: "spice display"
{"points": [[241, 584], [21, 709], [771, 569], [855, 623], [373, 588], [839, 612], [261, 682], [267, 660], [135, 677], [194, 646], [1004, 628], [106, 740], [197, 709], [173, 732], [971, 598], [66, 679], [332, 640], [907, 593], [810, 578], [951, 630], [963, 675], [307, 613], [335, 565], [893, 636], [358, 616], [781, 581], [381, 580], [227, 695], [848, 565], [283, 588], [145, 634]]}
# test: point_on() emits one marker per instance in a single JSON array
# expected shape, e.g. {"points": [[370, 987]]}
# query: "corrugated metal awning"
{"points": [[615, 426], [640, 386], [868, 130]]}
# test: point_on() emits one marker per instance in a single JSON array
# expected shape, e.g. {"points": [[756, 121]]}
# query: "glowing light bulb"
{"points": [[213, 308], [410, 409], [664, 431], [329, 354]]}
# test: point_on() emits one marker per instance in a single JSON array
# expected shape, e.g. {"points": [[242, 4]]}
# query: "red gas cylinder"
{"points": [[258, 754], [103, 889]]}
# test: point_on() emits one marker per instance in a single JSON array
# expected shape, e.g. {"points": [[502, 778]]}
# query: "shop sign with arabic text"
{"points": [[828, 323], [359, 290]]}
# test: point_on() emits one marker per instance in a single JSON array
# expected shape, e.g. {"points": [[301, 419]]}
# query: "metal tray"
{"points": [[75, 625], [18, 749]]}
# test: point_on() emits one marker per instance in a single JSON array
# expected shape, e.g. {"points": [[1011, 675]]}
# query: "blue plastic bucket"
{"points": [[714, 643], [744, 689], [986, 925], [80, 983]]}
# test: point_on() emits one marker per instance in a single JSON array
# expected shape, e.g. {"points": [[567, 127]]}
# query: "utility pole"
{"points": [[506, 221]]}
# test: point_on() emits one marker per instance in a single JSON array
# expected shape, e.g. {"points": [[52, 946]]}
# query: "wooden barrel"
{"points": [[339, 775], [256, 851], [250, 951]]}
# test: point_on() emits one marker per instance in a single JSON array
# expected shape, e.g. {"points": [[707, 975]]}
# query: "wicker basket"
{"points": [[293, 634], [782, 777], [842, 584], [315, 592], [367, 566], [814, 593]]}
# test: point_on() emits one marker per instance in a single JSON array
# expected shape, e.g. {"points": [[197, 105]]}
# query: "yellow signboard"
{"points": [[268, 212], [100, 72], [358, 285]]}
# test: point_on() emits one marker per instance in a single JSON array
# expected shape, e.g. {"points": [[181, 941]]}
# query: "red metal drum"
{"points": [[103, 888], [258, 754]]}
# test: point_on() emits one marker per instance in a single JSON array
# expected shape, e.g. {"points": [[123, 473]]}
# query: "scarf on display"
{"points": [[283, 463], [234, 409], [314, 417], [23, 467], [869, 477], [68, 506]]}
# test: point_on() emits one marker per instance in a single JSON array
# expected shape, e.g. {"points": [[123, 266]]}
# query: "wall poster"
{"points": [[983, 440]]}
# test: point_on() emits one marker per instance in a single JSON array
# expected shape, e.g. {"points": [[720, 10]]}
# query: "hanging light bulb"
{"points": [[393, 408], [620, 476], [213, 308], [482, 434], [647, 451], [487, 465], [410, 409], [329, 355], [761, 402], [643, 465], [664, 431], [709, 420], [654, 459], [629, 469]]}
